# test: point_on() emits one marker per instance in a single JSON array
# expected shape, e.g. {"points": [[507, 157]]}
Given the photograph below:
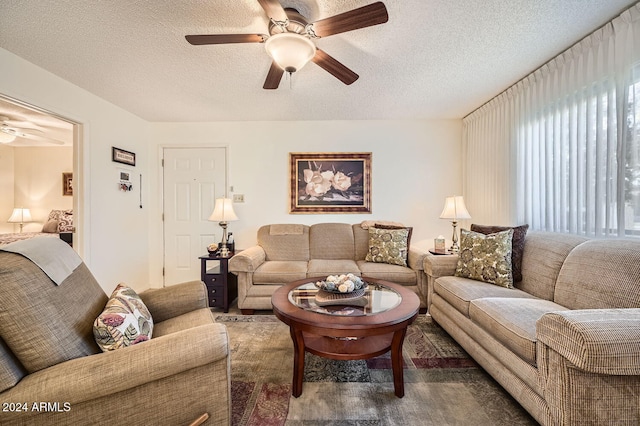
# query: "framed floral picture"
{"points": [[336, 182]]}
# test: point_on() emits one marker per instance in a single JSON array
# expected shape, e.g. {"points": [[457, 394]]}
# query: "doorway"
{"points": [[38, 150], [192, 179]]}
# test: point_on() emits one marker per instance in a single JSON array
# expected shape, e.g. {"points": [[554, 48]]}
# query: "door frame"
{"points": [[161, 189], [80, 196]]}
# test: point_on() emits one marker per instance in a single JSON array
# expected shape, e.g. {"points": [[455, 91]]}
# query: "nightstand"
{"points": [[222, 286]]}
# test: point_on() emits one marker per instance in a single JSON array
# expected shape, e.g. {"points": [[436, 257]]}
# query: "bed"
{"points": [[59, 224]]}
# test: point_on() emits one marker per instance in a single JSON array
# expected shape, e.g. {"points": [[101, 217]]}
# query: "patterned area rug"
{"points": [[443, 385]]}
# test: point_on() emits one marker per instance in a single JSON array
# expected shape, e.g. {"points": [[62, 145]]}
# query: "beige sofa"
{"points": [[289, 252], [565, 342], [53, 373]]}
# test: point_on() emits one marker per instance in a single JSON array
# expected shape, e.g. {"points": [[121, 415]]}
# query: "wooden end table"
{"points": [[344, 332], [222, 285]]}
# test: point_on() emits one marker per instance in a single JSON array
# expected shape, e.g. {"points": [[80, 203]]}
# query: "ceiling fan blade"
{"points": [[198, 40], [333, 67], [29, 134], [361, 17], [273, 77], [41, 138], [274, 9], [19, 124]]}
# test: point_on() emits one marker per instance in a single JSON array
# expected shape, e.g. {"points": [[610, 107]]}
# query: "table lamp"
{"points": [[454, 209], [20, 216], [223, 213]]}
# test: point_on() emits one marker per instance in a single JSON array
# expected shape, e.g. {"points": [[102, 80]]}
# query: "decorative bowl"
{"points": [[341, 284]]}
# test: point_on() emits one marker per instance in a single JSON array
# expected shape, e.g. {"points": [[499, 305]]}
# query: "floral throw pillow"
{"points": [[517, 244], [388, 246], [125, 321], [486, 257]]}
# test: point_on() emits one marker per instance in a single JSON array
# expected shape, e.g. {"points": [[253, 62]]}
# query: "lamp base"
{"points": [[455, 248], [224, 250]]}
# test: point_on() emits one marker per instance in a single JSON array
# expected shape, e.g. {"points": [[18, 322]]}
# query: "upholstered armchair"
{"points": [[53, 372]]}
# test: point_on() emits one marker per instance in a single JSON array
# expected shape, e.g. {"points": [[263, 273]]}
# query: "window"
{"points": [[560, 149]]}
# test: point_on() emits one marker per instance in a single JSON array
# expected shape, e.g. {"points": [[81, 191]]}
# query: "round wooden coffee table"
{"points": [[373, 325]]}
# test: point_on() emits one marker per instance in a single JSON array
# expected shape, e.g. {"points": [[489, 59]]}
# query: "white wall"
{"points": [[415, 165], [113, 237], [38, 182], [6, 188]]}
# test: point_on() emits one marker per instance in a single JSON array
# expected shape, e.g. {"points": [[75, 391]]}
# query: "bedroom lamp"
{"points": [[223, 213], [20, 216], [454, 210]]}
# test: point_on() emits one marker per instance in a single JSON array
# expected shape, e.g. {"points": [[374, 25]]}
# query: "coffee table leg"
{"points": [[298, 361], [396, 362]]}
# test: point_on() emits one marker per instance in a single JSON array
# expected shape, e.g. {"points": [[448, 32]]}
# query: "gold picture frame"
{"points": [[336, 182], [67, 183]]}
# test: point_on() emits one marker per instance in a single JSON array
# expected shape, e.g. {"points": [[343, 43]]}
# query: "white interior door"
{"points": [[193, 179]]}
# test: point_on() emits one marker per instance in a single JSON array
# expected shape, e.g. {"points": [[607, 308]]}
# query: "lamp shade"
{"points": [[20, 215], [223, 211], [291, 51], [455, 209]]}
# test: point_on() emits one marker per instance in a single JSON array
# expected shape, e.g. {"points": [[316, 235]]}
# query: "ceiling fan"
{"points": [[12, 129], [290, 40]]}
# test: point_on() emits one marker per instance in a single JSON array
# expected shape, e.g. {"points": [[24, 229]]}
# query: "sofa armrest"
{"points": [[436, 266], [247, 260], [169, 302], [602, 341], [94, 376], [415, 258]]}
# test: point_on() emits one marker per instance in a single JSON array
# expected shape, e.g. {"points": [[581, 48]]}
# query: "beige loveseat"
{"points": [[52, 372], [289, 252], [565, 342]]}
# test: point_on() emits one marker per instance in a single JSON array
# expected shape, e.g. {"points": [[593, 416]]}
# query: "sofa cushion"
{"points": [[32, 307], [326, 267], [600, 274], [388, 246], [11, 371], [486, 257], [544, 253], [512, 321], [459, 292], [284, 246], [361, 240], [382, 271], [517, 244], [125, 320], [279, 272], [331, 241]]}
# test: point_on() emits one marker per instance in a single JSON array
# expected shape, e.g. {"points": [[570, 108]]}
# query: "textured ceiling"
{"points": [[433, 59]]}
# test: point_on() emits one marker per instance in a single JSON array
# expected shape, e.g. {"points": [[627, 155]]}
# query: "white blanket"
{"points": [[55, 257]]}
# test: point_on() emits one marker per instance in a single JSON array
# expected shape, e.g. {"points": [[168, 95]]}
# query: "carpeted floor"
{"points": [[443, 386]]}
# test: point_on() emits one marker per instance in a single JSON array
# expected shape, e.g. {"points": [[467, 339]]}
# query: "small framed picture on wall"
{"points": [[67, 183], [121, 156]]}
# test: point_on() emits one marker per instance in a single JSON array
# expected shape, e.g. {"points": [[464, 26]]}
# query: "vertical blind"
{"points": [[559, 150]]}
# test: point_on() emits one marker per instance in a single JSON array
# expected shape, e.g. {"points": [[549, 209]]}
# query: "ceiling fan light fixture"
{"points": [[6, 137], [291, 51]]}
